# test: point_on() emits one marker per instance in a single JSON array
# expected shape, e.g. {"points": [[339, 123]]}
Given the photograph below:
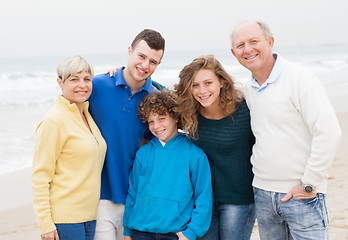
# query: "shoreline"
{"points": [[17, 216], [17, 188]]}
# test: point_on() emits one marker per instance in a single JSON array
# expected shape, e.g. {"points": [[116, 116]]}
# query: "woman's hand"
{"points": [[181, 236], [50, 236], [112, 71]]}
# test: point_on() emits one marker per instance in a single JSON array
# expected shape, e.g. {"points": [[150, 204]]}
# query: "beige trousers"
{"points": [[109, 222]]}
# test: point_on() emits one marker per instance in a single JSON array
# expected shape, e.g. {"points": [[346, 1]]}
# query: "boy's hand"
{"points": [[112, 71], [181, 236], [128, 238]]}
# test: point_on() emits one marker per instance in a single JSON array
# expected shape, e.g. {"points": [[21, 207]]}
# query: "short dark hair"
{"points": [[161, 103], [153, 38]]}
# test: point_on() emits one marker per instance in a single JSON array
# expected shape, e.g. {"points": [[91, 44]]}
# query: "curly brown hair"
{"points": [[230, 96], [161, 103]]}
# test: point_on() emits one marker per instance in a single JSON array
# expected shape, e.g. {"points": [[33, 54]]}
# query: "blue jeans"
{"points": [[76, 231], [231, 222], [295, 219], [137, 235]]}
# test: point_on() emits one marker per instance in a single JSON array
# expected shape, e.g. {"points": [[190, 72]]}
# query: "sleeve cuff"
{"points": [[189, 234], [127, 232]]}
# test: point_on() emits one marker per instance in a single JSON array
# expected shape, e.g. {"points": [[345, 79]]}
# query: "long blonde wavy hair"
{"points": [[230, 96]]}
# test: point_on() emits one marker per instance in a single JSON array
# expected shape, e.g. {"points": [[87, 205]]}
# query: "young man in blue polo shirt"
{"points": [[113, 105]]}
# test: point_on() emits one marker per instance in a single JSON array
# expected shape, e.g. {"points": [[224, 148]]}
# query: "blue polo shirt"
{"points": [[114, 109]]}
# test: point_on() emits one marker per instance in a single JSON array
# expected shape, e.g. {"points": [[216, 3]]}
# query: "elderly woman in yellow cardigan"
{"points": [[68, 159]]}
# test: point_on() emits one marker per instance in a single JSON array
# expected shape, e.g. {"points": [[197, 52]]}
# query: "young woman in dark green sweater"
{"points": [[216, 117]]}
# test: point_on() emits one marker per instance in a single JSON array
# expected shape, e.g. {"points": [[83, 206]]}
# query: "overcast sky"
{"points": [[66, 27]]}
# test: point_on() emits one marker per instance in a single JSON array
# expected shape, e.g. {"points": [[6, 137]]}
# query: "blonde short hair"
{"points": [[73, 65]]}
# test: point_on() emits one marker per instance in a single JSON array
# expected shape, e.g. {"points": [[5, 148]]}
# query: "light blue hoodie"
{"points": [[169, 189]]}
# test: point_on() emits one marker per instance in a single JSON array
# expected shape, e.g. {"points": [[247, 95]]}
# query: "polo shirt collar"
{"points": [[119, 80], [277, 69]]}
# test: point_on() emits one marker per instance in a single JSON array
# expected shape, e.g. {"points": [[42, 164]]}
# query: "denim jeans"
{"points": [[76, 231], [295, 219], [137, 235], [231, 222]]}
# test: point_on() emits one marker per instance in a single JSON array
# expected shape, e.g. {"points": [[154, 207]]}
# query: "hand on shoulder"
{"points": [[112, 71]]}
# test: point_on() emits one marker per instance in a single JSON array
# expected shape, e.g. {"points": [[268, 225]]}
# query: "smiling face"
{"points": [[251, 47], [164, 127], [142, 62], [206, 88], [77, 88]]}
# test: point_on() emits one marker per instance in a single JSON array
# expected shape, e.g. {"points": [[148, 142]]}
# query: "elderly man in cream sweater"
{"points": [[297, 135]]}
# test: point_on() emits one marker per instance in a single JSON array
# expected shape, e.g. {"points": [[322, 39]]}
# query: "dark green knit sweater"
{"points": [[228, 144]]}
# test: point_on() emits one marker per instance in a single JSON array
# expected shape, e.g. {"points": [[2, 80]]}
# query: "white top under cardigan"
{"points": [[296, 129]]}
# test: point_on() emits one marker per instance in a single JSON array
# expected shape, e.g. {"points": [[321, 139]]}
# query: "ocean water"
{"points": [[28, 88]]}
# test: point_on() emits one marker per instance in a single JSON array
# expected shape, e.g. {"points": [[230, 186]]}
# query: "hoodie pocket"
{"points": [[155, 214]]}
